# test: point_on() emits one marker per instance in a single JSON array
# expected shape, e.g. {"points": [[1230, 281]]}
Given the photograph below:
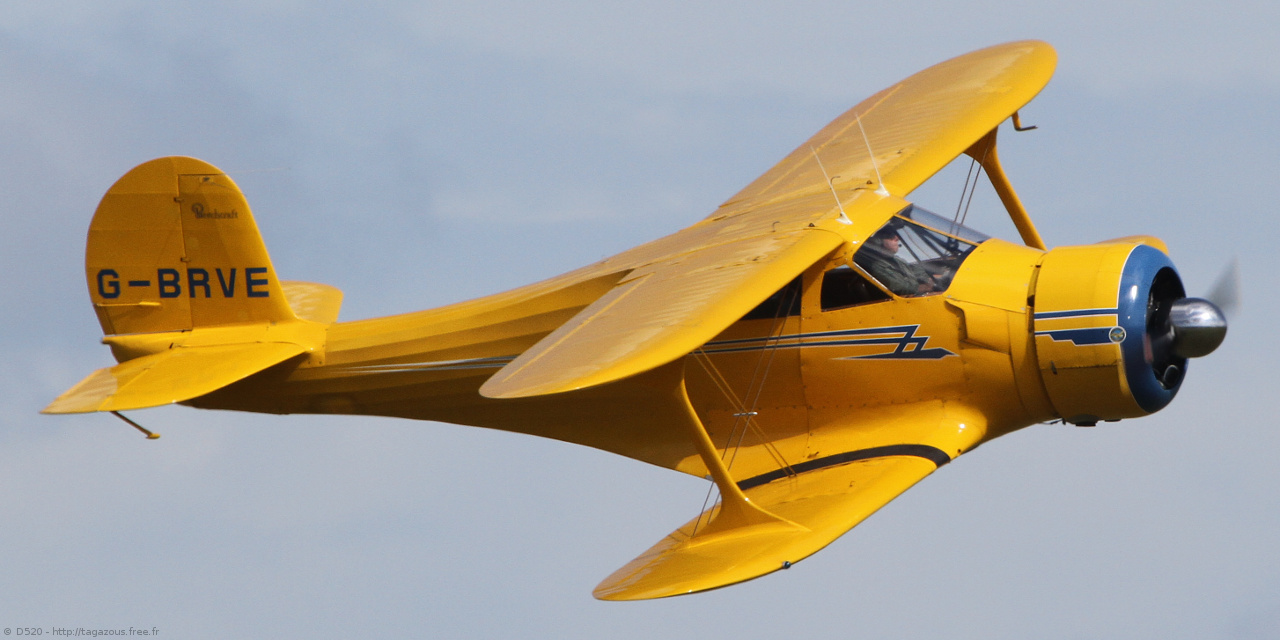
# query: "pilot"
{"points": [[879, 258]]}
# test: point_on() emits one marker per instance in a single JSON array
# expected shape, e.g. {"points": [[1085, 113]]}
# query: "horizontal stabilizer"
{"points": [[313, 301], [826, 502], [174, 375]]}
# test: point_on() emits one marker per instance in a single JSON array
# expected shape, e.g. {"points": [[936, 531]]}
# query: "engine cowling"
{"points": [[1113, 329]]}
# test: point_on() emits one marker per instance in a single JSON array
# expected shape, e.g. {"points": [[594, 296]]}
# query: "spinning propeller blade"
{"points": [[1226, 290]]}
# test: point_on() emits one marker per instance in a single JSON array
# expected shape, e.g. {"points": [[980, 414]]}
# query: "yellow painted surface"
{"points": [[170, 376], [660, 312], [592, 356], [824, 503], [183, 227], [827, 503], [913, 128], [996, 275], [1082, 380]]}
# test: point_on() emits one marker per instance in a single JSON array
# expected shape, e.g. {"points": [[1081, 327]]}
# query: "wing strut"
{"points": [[984, 151], [736, 510]]}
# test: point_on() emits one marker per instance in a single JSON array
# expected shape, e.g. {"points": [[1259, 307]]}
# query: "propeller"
{"points": [[1198, 327], [1225, 293], [1181, 327]]}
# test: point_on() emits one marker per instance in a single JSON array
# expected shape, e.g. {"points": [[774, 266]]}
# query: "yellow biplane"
{"points": [[815, 347]]}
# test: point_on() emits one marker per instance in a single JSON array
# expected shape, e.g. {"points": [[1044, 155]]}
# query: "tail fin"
{"points": [[185, 292], [173, 247]]}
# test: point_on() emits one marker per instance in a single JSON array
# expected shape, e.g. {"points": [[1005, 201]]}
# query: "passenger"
{"points": [[879, 257]]}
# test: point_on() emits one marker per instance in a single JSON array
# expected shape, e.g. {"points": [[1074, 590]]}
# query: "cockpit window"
{"points": [[843, 287], [911, 259], [783, 302], [939, 223]]}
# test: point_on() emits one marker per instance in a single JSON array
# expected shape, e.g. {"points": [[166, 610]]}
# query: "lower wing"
{"points": [[813, 503]]}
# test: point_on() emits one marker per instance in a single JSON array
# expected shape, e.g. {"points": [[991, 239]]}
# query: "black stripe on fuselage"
{"points": [[933, 454]]}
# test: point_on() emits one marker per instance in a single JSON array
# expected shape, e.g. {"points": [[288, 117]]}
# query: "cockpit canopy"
{"points": [[917, 252], [929, 250]]}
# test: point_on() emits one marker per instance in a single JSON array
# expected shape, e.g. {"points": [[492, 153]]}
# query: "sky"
{"points": [[417, 154]]}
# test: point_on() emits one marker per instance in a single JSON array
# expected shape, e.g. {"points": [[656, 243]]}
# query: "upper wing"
{"points": [[686, 288], [660, 312], [912, 129]]}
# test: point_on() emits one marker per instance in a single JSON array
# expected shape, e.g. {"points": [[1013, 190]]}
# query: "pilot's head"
{"points": [[888, 239]]}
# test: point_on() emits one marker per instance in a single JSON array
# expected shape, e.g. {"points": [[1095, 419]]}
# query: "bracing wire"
{"points": [[775, 336], [742, 410], [970, 188], [964, 191], [970, 200]]}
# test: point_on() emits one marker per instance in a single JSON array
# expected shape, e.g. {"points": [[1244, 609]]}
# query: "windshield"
{"points": [[911, 259], [939, 223]]}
